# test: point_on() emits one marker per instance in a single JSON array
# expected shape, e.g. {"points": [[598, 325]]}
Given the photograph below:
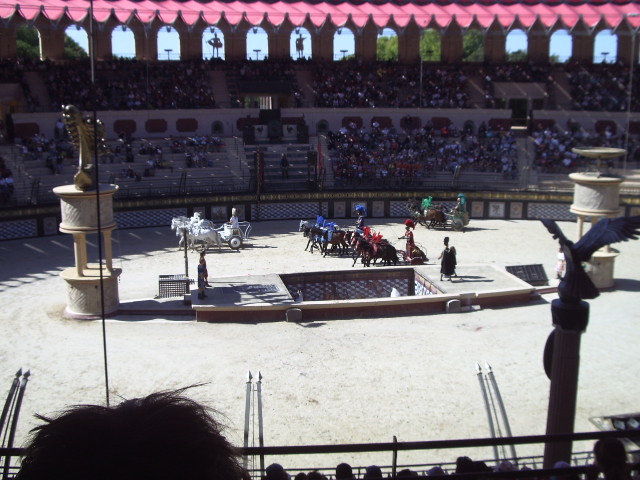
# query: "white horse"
{"points": [[198, 230]]}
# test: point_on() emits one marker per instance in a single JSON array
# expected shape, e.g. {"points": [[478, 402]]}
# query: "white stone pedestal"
{"points": [[600, 268], [80, 218]]}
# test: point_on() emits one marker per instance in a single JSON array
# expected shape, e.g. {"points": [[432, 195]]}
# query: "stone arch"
{"points": [[300, 43], [257, 41], [387, 45], [560, 46], [168, 41], [122, 35], [430, 45], [344, 43], [517, 45], [473, 45], [213, 41], [605, 47]]}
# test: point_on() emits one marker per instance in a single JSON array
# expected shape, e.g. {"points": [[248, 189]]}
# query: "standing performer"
{"points": [[206, 272], [234, 219], [448, 260], [408, 234], [361, 210], [202, 272]]}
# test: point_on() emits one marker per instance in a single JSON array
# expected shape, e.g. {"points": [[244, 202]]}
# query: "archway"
{"points": [[560, 46], [605, 47], [300, 44], [473, 46], [257, 44], [123, 43], [517, 46], [28, 43], [387, 45], [168, 43], [76, 42], [344, 44], [212, 43], [430, 45]]}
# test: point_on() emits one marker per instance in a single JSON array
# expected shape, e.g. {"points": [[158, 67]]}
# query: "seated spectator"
{"points": [[275, 471], [610, 460], [372, 472], [164, 436], [344, 472]]}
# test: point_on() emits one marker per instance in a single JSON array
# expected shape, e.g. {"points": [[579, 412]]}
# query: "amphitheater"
{"points": [[359, 379]]}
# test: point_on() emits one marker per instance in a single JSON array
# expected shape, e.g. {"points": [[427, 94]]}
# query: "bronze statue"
{"points": [[83, 132], [576, 284]]}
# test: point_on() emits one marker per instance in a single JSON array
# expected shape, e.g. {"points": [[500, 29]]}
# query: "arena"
{"points": [[341, 381]]}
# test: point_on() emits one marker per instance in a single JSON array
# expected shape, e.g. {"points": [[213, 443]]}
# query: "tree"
{"points": [[28, 43], [388, 48], [430, 46], [517, 56], [72, 49], [473, 46]]}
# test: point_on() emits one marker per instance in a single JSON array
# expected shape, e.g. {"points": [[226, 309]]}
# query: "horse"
{"points": [[385, 252], [361, 248], [431, 218], [311, 231], [337, 241], [208, 236]]}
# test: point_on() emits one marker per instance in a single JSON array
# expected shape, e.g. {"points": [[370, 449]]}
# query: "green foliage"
{"points": [[517, 56], [28, 43], [473, 46], [72, 50], [430, 46], [388, 48], [555, 59]]}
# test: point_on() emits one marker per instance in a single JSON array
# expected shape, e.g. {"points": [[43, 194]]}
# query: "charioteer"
{"points": [[361, 210]]}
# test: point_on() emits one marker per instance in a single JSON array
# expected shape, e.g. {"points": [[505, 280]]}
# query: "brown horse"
{"points": [[338, 241], [434, 217]]}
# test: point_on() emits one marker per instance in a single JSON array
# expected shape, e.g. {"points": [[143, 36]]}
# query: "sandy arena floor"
{"points": [[343, 381]]}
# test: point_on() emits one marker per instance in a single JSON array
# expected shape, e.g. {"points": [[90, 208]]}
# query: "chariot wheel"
{"points": [[457, 224], [235, 242]]}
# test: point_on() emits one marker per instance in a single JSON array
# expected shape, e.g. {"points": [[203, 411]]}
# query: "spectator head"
{"points": [[435, 471], [315, 475], [275, 471], [164, 436], [301, 476], [344, 472], [611, 457], [372, 472], [407, 473]]}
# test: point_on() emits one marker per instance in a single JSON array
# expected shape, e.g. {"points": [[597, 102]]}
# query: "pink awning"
{"points": [[442, 12]]}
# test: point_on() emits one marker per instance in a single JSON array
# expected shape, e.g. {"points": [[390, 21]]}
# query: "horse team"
{"points": [[361, 244]]}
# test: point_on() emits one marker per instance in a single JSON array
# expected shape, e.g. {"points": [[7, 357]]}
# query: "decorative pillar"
{"points": [[51, 42], [367, 43], [322, 42], [190, 40], [279, 41], [538, 44], [79, 218], [597, 195], [495, 42]]}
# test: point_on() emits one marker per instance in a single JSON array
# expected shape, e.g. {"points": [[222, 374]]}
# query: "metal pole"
{"points": [[14, 421], [186, 257], [629, 97], [420, 94], [503, 411], [9, 400], [488, 410], [394, 459], [247, 412], [260, 424]]}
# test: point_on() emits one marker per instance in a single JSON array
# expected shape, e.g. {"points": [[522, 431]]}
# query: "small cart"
{"points": [[235, 236]]}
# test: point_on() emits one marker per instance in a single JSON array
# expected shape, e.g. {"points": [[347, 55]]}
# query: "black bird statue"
{"points": [[576, 284]]}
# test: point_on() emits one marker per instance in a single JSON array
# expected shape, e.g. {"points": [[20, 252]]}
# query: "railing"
{"points": [[9, 467]]}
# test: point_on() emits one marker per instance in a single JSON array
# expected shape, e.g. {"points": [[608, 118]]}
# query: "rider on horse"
{"points": [[361, 210]]}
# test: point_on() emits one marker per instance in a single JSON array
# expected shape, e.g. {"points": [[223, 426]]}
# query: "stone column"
{"points": [[103, 45], [322, 42], [8, 41], [538, 41], [569, 321], [409, 44], [583, 43], [190, 41], [279, 42], [51, 41], [367, 43], [235, 45], [452, 44], [495, 42]]}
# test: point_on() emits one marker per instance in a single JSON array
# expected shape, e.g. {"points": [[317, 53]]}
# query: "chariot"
{"points": [[234, 236]]}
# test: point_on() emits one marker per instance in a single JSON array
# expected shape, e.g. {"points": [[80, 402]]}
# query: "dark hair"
{"points": [[344, 470], [164, 436], [611, 458]]}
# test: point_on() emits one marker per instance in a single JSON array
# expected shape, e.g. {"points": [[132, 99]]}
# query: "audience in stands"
{"points": [[381, 154], [600, 87], [6, 182]]}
